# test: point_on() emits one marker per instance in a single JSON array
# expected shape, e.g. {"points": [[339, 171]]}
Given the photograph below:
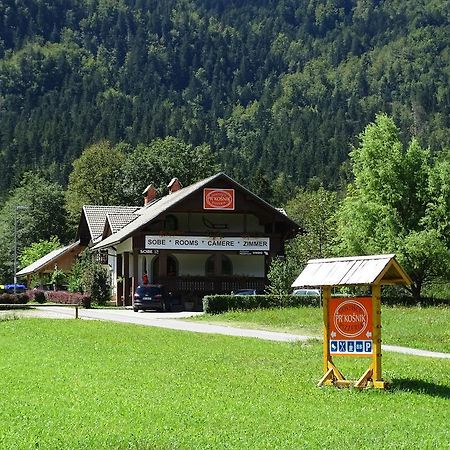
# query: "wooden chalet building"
{"points": [[212, 237]]}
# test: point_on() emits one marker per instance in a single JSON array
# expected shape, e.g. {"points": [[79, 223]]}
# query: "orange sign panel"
{"points": [[350, 326], [219, 199]]}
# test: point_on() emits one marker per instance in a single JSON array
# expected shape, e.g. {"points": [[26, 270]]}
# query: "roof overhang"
{"points": [[155, 209], [49, 259]]}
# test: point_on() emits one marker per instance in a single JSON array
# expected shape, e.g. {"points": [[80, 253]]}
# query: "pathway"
{"points": [[174, 321]]}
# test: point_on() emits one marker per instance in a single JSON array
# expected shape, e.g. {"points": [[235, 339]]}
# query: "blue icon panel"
{"points": [[344, 347]]}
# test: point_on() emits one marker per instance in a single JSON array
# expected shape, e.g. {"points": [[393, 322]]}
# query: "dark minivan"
{"points": [[151, 296]]}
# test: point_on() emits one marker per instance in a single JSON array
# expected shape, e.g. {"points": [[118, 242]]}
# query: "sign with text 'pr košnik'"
{"points": [[218, 199], [351, 326]]}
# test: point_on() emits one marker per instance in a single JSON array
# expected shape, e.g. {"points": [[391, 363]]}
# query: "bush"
{"points": [[38, 295], [67, 298], [14, 299], [90, 277], [22, 298], [8, 299], [97, 285], [215, 304]]}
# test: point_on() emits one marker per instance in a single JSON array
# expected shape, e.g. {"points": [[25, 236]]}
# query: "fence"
{"points": [[27, 306]]}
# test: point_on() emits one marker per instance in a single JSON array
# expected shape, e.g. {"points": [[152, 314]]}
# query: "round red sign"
{"points": [[351, 318], [219, 199]]}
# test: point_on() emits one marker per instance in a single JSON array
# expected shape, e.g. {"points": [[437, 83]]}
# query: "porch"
{"points": [[194, 288]]}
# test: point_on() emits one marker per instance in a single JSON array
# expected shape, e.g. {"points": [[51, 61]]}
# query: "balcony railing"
{"points": [[200, 286]]}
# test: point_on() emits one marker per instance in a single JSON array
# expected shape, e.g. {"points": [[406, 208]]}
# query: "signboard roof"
{"points": [[350, 271]]}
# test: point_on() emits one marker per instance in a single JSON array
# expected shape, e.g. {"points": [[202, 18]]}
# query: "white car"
{"points": [[307, 292]]}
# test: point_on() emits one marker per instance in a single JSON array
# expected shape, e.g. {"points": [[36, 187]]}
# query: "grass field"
{"points": [[70, 384], [423, 328]]}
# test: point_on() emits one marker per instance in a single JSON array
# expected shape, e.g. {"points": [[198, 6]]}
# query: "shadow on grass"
{"points": [[420, 386]]}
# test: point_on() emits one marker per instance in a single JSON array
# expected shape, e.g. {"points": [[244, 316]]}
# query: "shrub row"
{"points": [[214, 304], [66, 297], [410, 301], [14, 299], [63, 297]]}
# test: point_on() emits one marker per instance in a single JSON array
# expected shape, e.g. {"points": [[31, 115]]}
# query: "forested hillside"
{"points": [[273, 86]]}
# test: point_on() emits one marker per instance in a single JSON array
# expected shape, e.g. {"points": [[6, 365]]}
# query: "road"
{"points": [[175, 321]]}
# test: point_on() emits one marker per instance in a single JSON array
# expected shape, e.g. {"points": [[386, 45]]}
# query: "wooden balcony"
{"points": [[198, 287]]}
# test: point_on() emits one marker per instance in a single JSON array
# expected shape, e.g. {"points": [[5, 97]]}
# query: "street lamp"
{"points": [[16, 209]]}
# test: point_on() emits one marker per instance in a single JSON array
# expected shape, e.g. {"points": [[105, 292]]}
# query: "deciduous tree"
{"points": [[162, 160], [96, 179], [397, 204], [40, 217]]}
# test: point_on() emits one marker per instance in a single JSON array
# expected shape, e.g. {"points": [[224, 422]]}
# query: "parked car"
{"points": [[151, 296], [19, 288], [248, 292], [307, 292]]}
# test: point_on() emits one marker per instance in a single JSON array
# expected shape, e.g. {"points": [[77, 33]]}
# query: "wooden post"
{"points": [[135, 279], [119, 284], [162, 264], [332, 375], [126, 278], [376, 356], [326, 294]]}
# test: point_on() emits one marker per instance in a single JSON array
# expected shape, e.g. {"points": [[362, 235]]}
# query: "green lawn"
{"points": [[423, 328], [69, 384]]}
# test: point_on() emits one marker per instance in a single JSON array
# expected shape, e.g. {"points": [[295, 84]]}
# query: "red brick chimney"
{"points": [[174, 185], [149, 194]]}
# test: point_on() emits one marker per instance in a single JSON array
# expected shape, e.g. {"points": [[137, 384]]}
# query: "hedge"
{"points": [[37, 295], [410, 301], [63, 297], [66, 297], [14, 299], [215, 304]]}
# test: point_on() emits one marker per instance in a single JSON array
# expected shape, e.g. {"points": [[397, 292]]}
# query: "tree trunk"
{"points": [[416, 288]]}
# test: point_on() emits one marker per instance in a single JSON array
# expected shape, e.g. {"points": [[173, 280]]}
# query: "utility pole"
{"points": [[16, 209]]}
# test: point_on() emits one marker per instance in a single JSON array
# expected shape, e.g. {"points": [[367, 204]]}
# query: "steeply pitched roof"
{"points": [[351, 271], [117, 221], [154, 209], [96, 216], [47, 259]]}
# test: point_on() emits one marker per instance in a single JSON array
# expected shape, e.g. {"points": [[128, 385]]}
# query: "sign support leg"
{"points": [[326, 292], [376, 357], [331, 373]]}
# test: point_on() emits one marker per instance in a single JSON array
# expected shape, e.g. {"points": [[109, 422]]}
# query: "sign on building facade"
{"points": [[208, 243], [218, 199]]}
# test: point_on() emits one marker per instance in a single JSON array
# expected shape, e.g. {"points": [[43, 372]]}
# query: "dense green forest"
{"points": [[272, 86]]}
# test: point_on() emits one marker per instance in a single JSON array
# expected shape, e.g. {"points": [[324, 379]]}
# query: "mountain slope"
{"points": [[274, 86]]}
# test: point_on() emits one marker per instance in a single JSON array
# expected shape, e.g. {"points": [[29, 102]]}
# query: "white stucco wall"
{"points": [[251, 265], [112, 270], [194, 265], [125, 246]]}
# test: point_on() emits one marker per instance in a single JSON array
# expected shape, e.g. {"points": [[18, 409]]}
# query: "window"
{"points": [[171, 267], [170, 223], [226, 266]]}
